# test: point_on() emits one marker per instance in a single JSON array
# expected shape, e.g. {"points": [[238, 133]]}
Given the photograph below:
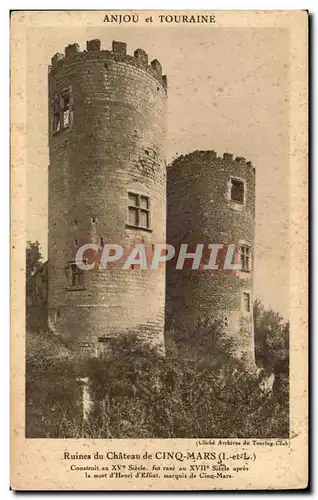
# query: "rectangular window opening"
{"points": [[144, 202], [138, 211], [61, 111], [245, 255], [133, 199], [133, 216], [144, 222], [75, 277], [237, 190], [247, 301]]}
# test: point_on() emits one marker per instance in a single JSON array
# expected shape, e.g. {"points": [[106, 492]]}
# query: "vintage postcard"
{"points": [[159, 250]]}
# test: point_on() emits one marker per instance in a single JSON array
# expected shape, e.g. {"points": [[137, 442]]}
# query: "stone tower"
{"points": [[107, 184], [212, 200]]}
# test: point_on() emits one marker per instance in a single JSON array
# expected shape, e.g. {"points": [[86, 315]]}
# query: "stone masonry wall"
{"points": [[114, 145], [199, 210]]}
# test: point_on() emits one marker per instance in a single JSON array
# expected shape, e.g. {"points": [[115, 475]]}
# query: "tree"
{"points": [[271, 338], [33, 258], [272, 347]]}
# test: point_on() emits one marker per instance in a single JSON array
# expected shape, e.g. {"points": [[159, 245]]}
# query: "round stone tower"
{"points": [[211, 200], [107, 184]]}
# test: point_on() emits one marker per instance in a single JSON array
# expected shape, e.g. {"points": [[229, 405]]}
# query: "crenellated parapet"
{"points": [[210, 155], [117, 54]]}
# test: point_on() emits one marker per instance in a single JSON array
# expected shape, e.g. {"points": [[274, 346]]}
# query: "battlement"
{"points": [[118, 53], [210, 155]]}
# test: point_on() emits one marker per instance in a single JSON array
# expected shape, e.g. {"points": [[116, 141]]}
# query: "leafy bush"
{"points": [[53, 394], [272, 347], [196, 390]]}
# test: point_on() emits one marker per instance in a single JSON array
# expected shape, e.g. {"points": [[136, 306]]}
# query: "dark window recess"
{"points": [[56, 122], [245, 253], [103, 340], [138, 210], [61, 112], [77, 275], [237, 190], [246, 302]]}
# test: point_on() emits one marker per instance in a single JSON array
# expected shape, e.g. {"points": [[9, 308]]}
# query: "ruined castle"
{"points": [[108, 182]]}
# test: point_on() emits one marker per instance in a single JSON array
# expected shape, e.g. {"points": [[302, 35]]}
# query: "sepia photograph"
{"points": [[158, 232]]}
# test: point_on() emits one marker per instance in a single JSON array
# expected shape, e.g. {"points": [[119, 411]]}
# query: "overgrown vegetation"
{"points": [[53, 396], [196, 390], [34, 259], [272, 347]]}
